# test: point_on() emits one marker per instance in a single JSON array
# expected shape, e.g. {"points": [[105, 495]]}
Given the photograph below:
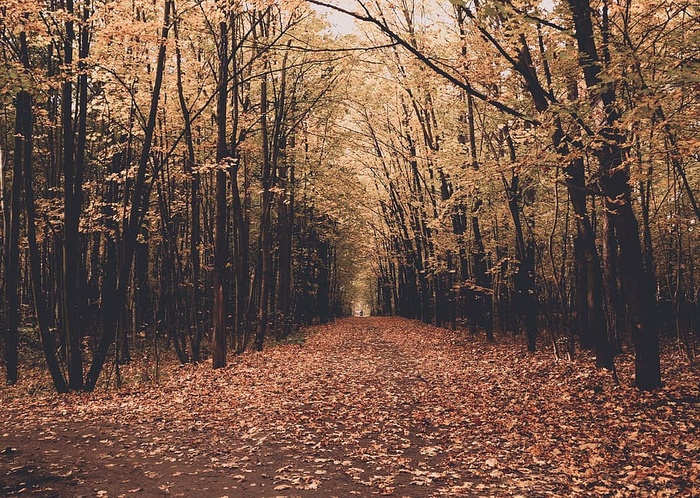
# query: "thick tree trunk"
{"points": [[614, 182]]}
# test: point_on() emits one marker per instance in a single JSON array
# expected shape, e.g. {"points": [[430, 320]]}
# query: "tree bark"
{"points": [[525, 288], [221, 209], [48, 340], [195, 329], [11, 310], [614, 183], [112, 309], [265, 245], [589, 276], [74, 140]]}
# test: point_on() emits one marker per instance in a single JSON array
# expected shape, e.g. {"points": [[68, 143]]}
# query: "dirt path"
{"points": [[365, 407], [347, 427]]}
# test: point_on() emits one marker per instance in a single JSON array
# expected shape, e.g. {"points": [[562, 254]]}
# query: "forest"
{"points": [[211, 174], [188, 183]]}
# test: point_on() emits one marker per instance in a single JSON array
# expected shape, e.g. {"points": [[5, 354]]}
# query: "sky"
{"points": [[341, 24]]}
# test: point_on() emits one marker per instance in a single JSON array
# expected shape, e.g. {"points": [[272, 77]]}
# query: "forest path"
{"points": [[366, 406]]}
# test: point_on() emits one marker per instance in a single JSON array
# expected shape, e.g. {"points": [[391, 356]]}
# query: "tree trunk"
{"points": [[525, 288], [589, 279], [265, 244], [195, 329], [614, 182], [322, 297], [73, 167], [11, 310], [48, 340], [285, 227], [221, 227], [241, 222], [241, 258], [112, 309]]}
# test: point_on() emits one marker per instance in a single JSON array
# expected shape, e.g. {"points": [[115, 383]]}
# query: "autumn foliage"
{"points": [[186, 183]]}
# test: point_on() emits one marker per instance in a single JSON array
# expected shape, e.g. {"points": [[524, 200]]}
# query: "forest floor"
{"points": [[362, 407]]}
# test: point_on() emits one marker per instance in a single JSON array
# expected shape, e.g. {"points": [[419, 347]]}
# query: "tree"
{"points": [[270, 157], [621, 220], [131, 226], [221, 229], [622, 234]]}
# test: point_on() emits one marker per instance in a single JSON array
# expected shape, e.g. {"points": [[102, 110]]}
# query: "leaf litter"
{"points": [[365, 406]]}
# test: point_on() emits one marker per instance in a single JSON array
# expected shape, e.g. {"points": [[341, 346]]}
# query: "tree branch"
{"points": [[367, 17]]}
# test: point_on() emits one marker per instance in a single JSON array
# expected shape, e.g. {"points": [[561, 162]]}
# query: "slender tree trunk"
{"points": [[323, 295], [285, 209], [241, 223], [221, 227], [589, 276], [48, 340], [525, 287], [241, 248], [615, 311], [11, 291], [73, 166], [589, 281], [195, 329], [112, 309], [482, 278], [265, 244]]}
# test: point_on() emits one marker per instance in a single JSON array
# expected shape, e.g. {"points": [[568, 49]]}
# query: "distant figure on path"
{"points": [[362, 313]]}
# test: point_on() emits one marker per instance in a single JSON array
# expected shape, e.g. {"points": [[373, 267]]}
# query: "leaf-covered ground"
{"points": [[366, 406]]}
